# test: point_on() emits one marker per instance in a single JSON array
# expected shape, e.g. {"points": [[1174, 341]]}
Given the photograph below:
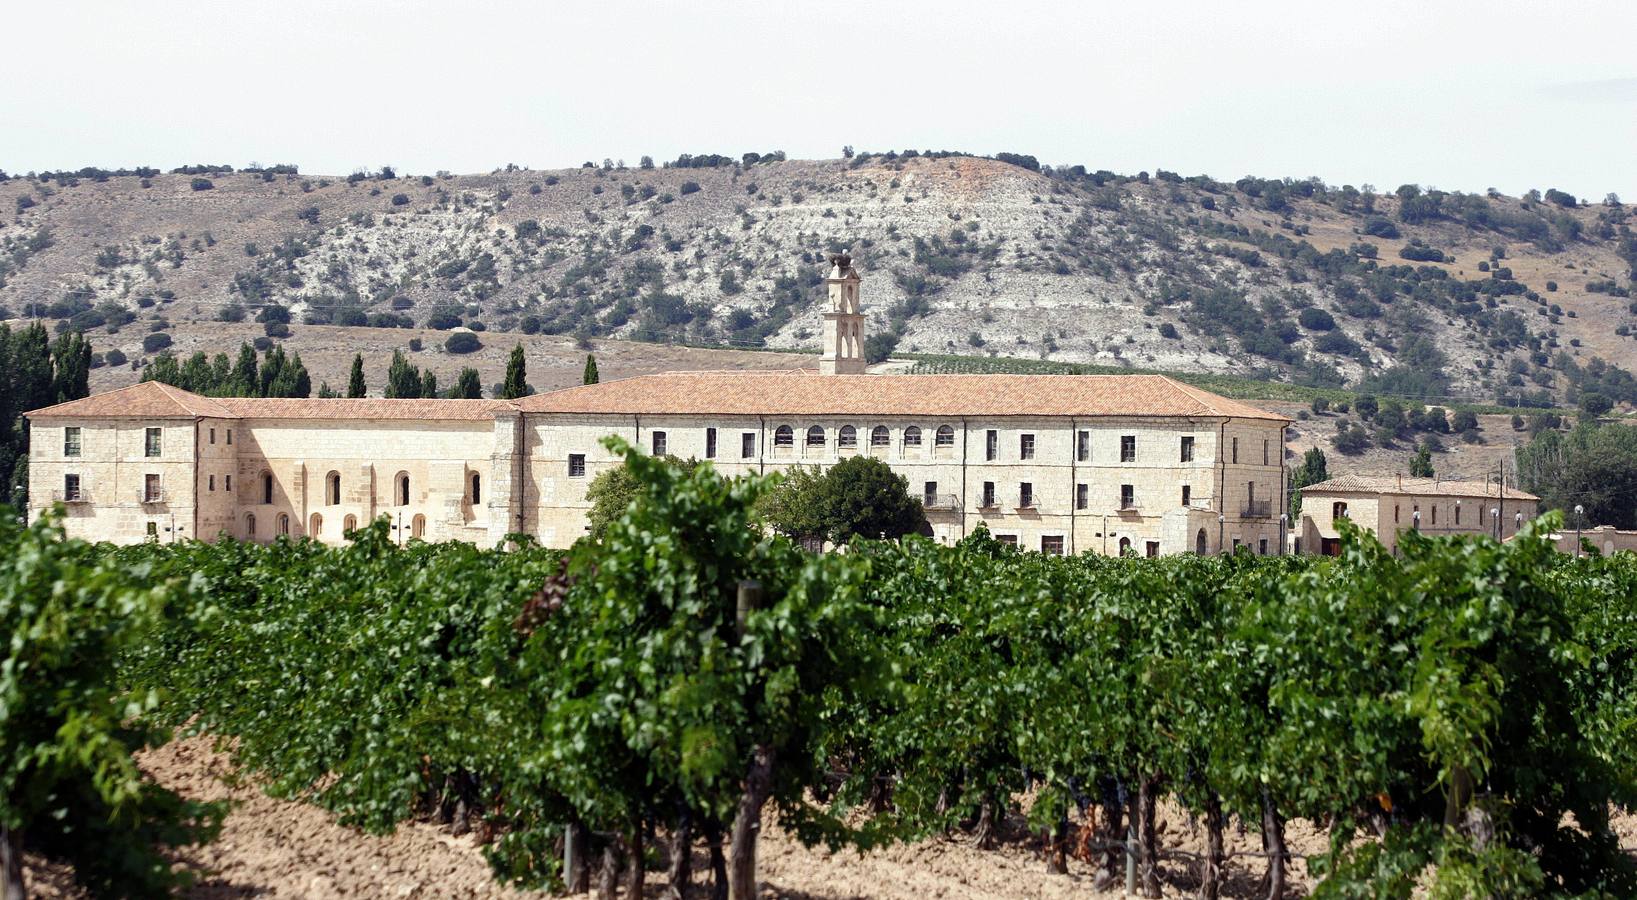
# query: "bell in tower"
{"points": [[843, 320]]}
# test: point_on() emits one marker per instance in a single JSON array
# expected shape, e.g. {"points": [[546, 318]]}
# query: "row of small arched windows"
{"points": [[401, 493], [785, 436], [315, 525]]}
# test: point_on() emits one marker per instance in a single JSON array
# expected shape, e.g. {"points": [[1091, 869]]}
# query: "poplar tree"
{"points": [[429, 384], [517, 383], [246, 373], [590, 376], [355, 384]]}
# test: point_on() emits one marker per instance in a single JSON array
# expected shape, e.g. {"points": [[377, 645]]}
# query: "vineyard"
{"points": [[1460, 718]]}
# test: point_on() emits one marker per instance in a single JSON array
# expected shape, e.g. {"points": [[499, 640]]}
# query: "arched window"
{"points": [[1199, 542], [1125, 546], [945, 437], [912, 436], [250, 527], [332, 489], [784, 436], [848, 437], [477, 489], [284, 524], [1338, 510], [879, 436], [401, 484], [417, 527], [267, 488], [349, 525], [815, 436], [315, 526]]}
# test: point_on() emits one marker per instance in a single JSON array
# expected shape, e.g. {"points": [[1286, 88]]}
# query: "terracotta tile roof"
{"points": [[363, 408], [1420, 487], [153, 400], [801, 392], [148, 400]]}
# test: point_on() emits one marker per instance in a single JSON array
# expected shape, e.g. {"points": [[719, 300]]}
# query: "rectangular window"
{"points": [[1187, 495], [212, 483], [988, 494], [1262, 546], [1236, 450], [1187, 448], [1128, 496], [1025, 446], [1082, 446], [929, 494], [1457, 513], [1052, 543], [1264, 455], [1128, 448], [153, 532], [71, 487], [1152, 549], [150, 444], [991, 445], [1007, 539], [710, 443], [1025, 495], [71, 440], [1082, 496], [227, 482], [213, 435], [230, 437], [576, 465], [150, 488], [747, 445], [659, 443]]}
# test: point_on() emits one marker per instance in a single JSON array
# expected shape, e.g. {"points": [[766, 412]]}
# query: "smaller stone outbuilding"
{"points": [[1390, 504]]}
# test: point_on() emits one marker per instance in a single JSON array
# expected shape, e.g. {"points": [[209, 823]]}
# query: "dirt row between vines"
{"points": [[276, 848]]}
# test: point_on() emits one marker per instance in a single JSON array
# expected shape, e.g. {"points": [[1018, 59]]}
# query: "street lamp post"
{"points": [[1284, 520], [1579, 517], [1221, 531], [1495, 516]]}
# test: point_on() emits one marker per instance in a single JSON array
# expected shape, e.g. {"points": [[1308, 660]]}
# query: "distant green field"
{"points": [[1238, 387]]}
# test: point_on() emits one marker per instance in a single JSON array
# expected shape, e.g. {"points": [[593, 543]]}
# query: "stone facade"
{"points": [[1388, 506]]}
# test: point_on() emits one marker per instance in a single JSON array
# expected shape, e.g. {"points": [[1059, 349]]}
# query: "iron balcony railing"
{"points": [[940, 501], [79, 496], [156, 495]]}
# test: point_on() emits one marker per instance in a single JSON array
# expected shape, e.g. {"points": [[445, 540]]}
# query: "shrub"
{"points": [[414, 345], [689, 187], [1483, 266], [1169, 331], [1551, 286], [400, 199], [1380, 227], [201, 184], [115, 357], [462, 342], [309, 215], [1415, 251], [155, 342], [1352, 441], [1315, 319], [276, 330], [1320, 405]]}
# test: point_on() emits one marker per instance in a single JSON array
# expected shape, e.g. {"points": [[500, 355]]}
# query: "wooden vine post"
{"points": [[747, 822]]}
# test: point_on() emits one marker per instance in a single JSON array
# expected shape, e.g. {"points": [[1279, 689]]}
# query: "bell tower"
{"points": [[843, 320]]}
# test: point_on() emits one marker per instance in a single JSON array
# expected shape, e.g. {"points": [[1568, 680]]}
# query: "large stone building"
{"points": [[1388, 505], [1058, 463]]}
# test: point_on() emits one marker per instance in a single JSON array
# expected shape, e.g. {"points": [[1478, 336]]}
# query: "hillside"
{"points": [[1508, 299]]}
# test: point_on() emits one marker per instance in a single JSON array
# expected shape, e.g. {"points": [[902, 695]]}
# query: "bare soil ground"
{"points": [[276, 848]]}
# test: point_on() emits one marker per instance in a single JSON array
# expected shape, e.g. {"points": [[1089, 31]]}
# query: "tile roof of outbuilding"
{"points": [[147, 400], [804, 392], [1419, 487]]}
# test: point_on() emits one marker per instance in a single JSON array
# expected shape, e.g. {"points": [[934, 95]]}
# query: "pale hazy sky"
{"points": [[1458, 95]]}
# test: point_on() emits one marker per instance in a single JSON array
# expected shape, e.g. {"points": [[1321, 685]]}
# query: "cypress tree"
{"points": [[590, 376], [355, 384], [163, 369], [403, 379], [31, 368], [246, 373], [429, 384], [517, 382], [301, 384], [469, 386], [196, 374], [71, 367], [221, 375], [272, 366]]}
